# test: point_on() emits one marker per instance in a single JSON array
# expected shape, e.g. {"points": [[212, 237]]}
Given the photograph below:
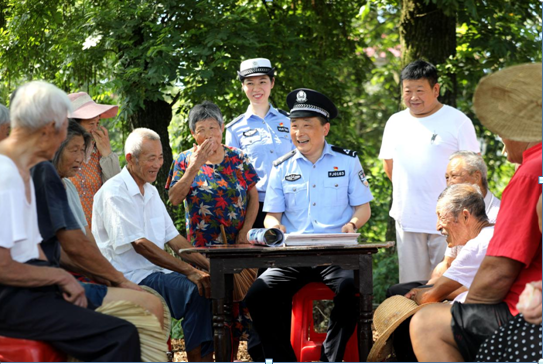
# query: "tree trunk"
{"points": [[427, 33], [157, 115]]}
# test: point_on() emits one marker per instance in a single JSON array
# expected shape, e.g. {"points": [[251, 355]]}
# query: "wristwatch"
{"points": [[353, 224]]}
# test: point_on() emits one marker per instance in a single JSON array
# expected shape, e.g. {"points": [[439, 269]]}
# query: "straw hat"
{"points": [[508, 102], [388, 316], [85, 108]]}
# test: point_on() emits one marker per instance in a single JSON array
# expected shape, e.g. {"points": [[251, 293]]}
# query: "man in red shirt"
{"points": [[509, 104]]}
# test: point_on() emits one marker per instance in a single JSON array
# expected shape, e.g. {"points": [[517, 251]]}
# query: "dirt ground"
{"points": [[180, 355]]}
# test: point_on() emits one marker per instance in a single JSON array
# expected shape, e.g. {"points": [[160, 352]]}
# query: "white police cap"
{"points": [[255, 67]]}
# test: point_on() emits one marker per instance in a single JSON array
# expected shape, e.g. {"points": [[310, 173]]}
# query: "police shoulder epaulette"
{"points": [[280, 160], [286, 113], [235, 120], [350, 153]]}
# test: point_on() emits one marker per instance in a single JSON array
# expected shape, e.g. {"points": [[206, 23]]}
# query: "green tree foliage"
{"points": [[158, 58]]}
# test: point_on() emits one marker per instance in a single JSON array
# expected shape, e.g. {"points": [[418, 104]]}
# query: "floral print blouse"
{"points": [[217, 196]]}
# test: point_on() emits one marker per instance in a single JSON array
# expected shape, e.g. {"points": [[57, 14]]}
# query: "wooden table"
{"points": [[230, 259]]}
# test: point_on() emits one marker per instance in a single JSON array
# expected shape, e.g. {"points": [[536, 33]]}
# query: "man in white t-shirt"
{"points": [[416, 146]]}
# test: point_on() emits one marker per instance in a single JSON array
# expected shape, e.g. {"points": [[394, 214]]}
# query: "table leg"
{"points": [[222, 322], [365, 282]]}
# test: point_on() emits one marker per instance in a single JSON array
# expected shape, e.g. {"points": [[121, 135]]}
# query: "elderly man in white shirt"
{"points": [[132, 227], [467, 167]]}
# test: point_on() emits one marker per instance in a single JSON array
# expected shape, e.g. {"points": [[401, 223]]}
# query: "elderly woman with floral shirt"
{"points": [[216, 183], [218, 186]]}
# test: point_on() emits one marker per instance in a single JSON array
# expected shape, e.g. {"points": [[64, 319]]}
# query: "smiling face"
{"points": [[145, 168], [308, 136], [72, 157], [258, 89], [208, 129], [457, 173], [455, 229], [420, 97]]}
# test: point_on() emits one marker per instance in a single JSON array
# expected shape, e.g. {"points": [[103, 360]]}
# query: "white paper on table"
{"points": [[324, 239]]}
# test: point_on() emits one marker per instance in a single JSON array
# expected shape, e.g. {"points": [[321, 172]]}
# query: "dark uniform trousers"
{"points": [[270, 304], [42, 314]]}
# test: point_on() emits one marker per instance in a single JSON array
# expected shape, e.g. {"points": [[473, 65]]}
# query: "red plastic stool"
{"points": [[305, 341], [22, 350]]}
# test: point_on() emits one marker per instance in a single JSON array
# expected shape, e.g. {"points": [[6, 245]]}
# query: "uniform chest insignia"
{"points": [[249, 132], [293, 177], [336, 173], [282, 129]]}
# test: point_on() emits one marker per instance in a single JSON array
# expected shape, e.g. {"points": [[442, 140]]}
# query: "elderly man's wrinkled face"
{"points": [[456, 173], [145, 168], [453, 228]]}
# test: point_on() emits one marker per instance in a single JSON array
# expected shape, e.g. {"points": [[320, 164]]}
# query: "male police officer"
{"points": [[263, 131], [316, 188]]}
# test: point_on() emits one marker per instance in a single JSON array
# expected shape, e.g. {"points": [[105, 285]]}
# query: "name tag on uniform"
{"points": [[293, 177], [283, 129], [336, 173], [249, 133]]}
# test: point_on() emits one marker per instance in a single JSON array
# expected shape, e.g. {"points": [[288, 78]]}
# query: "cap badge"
{"points": [[301, 97], [255, 64]]}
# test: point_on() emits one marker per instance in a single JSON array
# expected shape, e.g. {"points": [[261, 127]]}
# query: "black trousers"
{"points": [[259, 221], [42, 314], [270, 303], [401, 339]]}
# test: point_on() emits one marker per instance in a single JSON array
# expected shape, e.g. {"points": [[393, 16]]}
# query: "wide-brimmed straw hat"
{"points": [[508, 102], [388, 316], [85, 108]]}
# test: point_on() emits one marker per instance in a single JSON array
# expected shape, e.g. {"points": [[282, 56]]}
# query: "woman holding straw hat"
{"points": [[101, 163], [217, 184]]}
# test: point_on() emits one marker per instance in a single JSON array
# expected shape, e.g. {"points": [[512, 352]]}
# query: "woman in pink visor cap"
{"points": [[101, 163]]}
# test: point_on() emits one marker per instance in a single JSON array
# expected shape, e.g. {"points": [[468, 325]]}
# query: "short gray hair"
{"points": [[203, 111], [454, 199], [134, 141], [4, 115], [473, 163], [38, 103]]}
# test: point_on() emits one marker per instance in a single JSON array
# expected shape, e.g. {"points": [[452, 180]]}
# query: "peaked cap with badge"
{"points": [[305, 102], [255, 67]]}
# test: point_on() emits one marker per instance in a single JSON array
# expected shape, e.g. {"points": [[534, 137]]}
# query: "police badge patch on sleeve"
{"points": [[362, 177]]}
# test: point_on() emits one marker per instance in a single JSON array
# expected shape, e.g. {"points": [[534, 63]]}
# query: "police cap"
{"points": [[255, 67], [304, 102]]}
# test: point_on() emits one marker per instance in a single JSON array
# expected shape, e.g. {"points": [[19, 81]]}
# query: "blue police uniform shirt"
{"points": [[320, 197], [262, 140]]}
